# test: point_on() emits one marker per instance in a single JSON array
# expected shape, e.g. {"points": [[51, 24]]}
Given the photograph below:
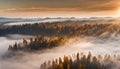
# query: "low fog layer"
{"points": [[19, 21], [33, 60], [10, 40]]}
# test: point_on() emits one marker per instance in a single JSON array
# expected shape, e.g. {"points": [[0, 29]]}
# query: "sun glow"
{"points": [[118, 12]]}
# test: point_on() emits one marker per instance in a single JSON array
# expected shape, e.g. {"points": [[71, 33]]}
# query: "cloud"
{"points": [[63, 5], [59, 8]]}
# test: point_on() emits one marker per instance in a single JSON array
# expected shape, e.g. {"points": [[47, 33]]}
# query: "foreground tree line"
{"points": [[65, 28], [81, 61], [37, 43]]}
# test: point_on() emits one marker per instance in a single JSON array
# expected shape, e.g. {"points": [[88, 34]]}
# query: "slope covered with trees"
{"points": [[38, 43], [65, 28], [56, 33], [49, 35], [81, 61]]}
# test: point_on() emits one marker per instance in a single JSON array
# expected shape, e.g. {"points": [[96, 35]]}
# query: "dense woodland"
{"points": [[49, 35], [53, 34], [65, 28], [81, 61], [38, 43]]}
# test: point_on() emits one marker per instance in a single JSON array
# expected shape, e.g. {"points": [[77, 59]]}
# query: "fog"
{"points": [[10, 40], [79, 44], [19, 21]]}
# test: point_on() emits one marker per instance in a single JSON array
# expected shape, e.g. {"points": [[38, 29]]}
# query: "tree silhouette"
{"points": [[81, 62]]}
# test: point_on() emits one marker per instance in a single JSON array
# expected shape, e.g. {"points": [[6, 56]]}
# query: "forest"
{"points": [[65, 28], [53, 35], [37, 43], [81, 61], [49, 35], [59, 34]]}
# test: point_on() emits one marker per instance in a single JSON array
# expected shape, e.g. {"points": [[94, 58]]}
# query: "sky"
{"points": [[59, 8]]}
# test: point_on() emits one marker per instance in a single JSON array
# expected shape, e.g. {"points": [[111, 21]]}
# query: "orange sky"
{"points": [[59, 8]]}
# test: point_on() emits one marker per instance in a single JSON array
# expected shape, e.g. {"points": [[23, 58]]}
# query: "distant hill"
{"points": [[18, 21]]}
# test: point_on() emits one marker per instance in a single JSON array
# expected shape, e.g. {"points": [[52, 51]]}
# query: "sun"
{"points": [[118, 12]]}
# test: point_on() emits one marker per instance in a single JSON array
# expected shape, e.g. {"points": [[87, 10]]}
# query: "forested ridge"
{"points": [[82, 61], [50, 35], [38, 43], [65, 28]]}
